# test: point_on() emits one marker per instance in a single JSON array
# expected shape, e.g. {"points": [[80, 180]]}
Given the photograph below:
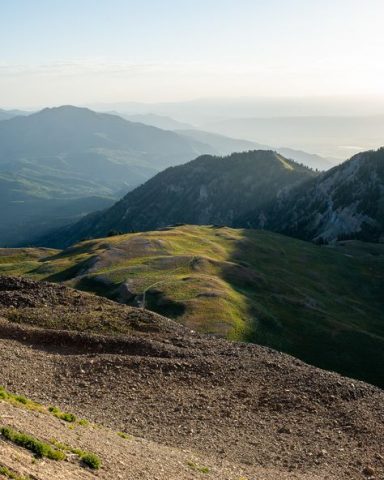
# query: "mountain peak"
{"points": [[207, 190], [66, 110], [343, 203]]}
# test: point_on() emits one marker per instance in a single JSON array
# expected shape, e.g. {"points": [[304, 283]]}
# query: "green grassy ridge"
{"points": [[323, 304]]}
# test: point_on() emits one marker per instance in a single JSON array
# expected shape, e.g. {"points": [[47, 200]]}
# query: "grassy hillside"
{"points": [[320, 303]]}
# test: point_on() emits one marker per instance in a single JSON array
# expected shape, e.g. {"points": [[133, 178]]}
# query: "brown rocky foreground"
{"points": [[243, 411]]}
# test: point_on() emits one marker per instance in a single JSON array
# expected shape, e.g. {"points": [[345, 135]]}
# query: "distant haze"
{"points": [[56, 52], [337, 126], [246, 68]]}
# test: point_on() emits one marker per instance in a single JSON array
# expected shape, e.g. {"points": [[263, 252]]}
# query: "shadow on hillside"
{"points": [[284, 311], [160, 303], [69, 273]]}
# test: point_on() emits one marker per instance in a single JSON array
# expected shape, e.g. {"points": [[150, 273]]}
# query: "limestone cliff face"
{"points": [[345, 202]]}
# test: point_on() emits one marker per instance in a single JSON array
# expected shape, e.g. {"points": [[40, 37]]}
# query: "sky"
{"points": [[85, 51]]}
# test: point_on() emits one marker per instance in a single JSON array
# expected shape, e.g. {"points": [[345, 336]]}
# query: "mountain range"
{"points": [[7, 114], [85, 145], [225, 145], [168, 247], [345, 202], [259, 189], [61, 163], [207, 190], [329, 136]]}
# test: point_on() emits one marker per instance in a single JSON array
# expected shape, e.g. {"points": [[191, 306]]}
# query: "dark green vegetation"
{"points": [[53, 449], [345, 202], [208, 190], [91, 460], [29, 211], [67, 417], [61, 163], [21, 400], [88, 459], [7, 473], [39, 448], [323, 304]]}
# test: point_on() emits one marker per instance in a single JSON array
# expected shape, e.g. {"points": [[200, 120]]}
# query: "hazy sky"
{"points": [[83, 51]]}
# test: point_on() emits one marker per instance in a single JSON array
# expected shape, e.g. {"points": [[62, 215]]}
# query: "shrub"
{"points": [[198, 468], [67, 417], [40, 449], [9, 474], [21, 399], [91, 460]]}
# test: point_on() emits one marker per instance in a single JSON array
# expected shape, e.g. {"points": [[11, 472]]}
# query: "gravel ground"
{"points": [[236, 406]]}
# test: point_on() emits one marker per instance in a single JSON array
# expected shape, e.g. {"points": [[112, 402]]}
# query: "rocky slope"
{"points": [[231, 410], [345, 202], [208, 190], [123, 457]]}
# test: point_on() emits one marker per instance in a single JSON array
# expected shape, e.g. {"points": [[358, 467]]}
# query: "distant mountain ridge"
{"points": [[343, 203], [64, 154], [7, 114], [160, 121], [226, 145], [207, 190], [67, 132], [218, 144], [329, 136]]}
